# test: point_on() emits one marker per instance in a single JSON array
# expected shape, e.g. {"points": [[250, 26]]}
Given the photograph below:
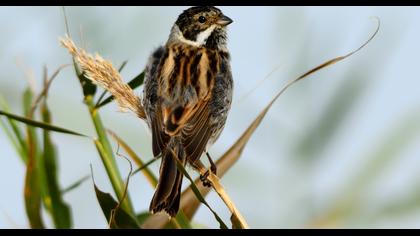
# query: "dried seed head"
{"points": [[104, 74]]}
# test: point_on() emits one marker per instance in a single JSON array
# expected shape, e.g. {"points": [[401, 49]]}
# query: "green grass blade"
{"points": [[74, 185], [32, 193], [27, 110], [121, 219], [39, 124], [117, 217], [32, 190], [59, 210], [27, 101], [12, 138], [145, 165], [122, 66], [21, 147], [137, 81], [134, 83]]}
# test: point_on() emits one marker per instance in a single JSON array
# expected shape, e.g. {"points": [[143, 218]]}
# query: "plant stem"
{"points": [[107, 156]]}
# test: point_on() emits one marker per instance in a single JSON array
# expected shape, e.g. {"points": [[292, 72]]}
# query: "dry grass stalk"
{"points": [[226, 199], [103, 73]]}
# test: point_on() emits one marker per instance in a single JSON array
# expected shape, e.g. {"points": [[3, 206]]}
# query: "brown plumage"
{"points": [[187, 96]]}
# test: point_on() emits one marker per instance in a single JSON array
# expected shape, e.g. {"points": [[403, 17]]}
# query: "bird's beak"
{"points": [[224, 21]]}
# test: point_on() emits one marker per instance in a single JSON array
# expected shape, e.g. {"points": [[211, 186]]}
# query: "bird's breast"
{"points": [[188, 71]]}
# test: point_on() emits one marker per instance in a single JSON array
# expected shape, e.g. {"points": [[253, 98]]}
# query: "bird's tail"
{"points": [[168, 191]]}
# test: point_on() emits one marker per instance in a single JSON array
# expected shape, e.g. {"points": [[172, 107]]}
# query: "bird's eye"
{"points": [[201, 19]]}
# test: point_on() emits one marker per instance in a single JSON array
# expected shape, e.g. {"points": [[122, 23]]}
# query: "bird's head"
{"points": [[201, 27]]}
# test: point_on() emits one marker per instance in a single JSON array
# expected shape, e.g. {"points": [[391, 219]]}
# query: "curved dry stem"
{"points": [[47, 84], [113, 211]]}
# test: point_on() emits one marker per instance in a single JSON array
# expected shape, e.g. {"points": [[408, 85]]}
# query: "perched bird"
{"points": [[187, 96]]}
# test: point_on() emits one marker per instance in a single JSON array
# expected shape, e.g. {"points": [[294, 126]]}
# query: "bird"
{"points": [[187, 96]]}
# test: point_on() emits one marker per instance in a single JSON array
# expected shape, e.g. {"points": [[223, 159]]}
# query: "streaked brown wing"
{"points": [[196, 133], [159, 138]]}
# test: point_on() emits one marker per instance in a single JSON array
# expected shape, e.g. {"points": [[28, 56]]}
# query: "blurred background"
{"points": [[339, 149]]}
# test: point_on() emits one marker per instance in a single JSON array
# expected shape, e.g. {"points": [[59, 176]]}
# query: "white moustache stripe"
{"points": [[203, 36]]}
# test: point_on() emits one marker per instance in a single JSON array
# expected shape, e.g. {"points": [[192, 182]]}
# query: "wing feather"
{"points": [[159, 137], [196, 133]]}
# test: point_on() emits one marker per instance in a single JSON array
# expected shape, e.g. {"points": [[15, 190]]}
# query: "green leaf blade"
{"points": [[38, 124], [32, 195], [17, 139], [120, 218], [58, 208], [74, 185], [32, 189]]}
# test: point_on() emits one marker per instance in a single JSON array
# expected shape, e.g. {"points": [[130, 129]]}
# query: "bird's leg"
{"points": [[213, 166], [204, 172]]}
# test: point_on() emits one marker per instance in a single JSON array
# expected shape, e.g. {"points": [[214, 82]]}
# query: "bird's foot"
{"points": [[204, 179]]}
